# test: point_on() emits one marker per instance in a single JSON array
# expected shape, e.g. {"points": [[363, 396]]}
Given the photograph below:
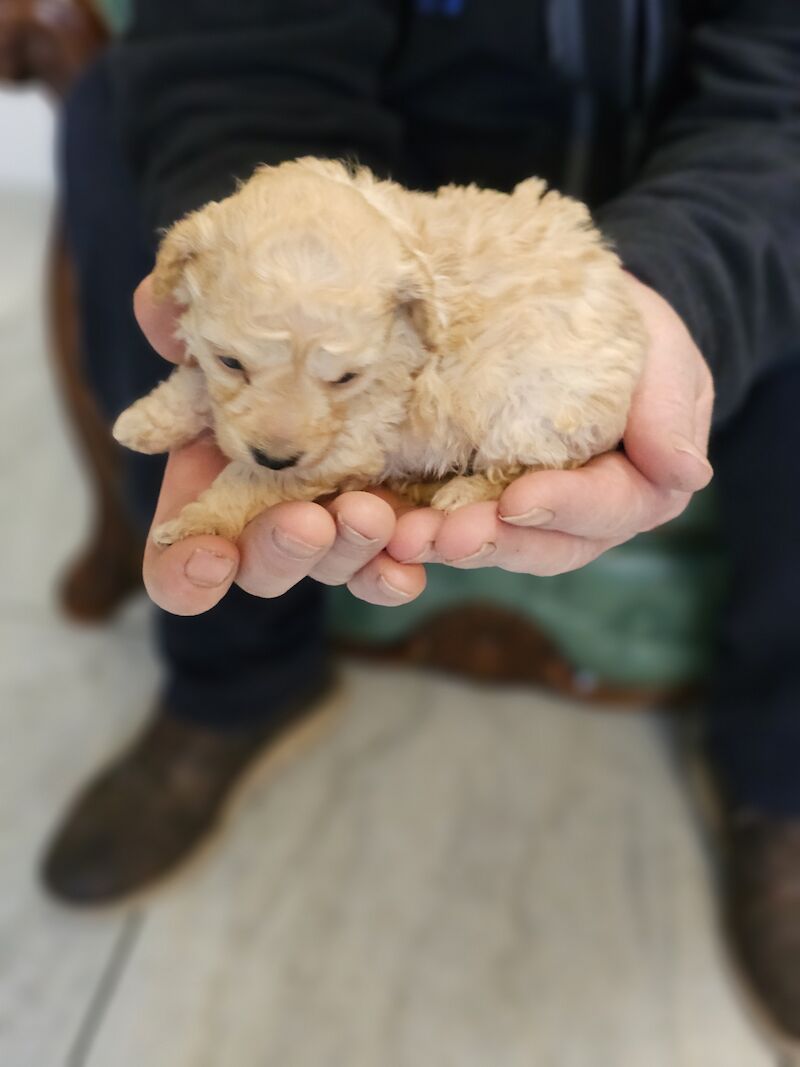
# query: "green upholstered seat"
{"points": [[641, 615]]}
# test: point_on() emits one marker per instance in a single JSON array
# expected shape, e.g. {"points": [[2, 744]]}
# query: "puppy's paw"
{"points": [[137, 429], [460, 491], [193, 521]]}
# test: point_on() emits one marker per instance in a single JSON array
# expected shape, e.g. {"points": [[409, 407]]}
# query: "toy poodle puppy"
{"points": [[346, 332]]}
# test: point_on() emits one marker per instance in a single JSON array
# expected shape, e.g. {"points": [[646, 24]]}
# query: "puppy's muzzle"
{"points": [[273, 462]]}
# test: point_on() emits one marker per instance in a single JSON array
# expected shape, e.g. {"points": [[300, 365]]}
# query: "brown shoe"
{"points": [[150, 810], [763, 900]]}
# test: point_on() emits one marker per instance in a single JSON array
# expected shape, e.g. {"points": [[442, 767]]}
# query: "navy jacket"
{"points": [[678, 121]]}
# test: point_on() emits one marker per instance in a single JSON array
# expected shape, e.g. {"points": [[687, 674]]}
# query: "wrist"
{"points": [[660, 318]]}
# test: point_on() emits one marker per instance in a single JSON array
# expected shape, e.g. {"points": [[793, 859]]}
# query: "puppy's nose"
{"points": [[273, 462]]}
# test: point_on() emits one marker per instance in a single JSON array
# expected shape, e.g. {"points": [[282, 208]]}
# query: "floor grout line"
{"points": [[80, 1050]]}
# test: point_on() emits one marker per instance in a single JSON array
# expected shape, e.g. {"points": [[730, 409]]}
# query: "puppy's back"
{"points": [[487, 241]]}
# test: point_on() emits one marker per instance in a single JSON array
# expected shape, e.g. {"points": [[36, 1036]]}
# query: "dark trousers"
{"points": [[241, 659], [235, 663], [754, 722]]}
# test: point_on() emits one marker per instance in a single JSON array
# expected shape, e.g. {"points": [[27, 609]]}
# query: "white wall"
{"points": [[26, 198], [26, 139]]}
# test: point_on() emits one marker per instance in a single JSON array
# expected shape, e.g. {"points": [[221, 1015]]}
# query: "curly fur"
{"points": [[488, 333]]}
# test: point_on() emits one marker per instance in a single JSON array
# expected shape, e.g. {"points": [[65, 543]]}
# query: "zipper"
{"points": [[624, 73]]}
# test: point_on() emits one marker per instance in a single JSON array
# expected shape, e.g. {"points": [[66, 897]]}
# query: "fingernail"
{"points": [[689, 448], [483, 553], [353, 536], [293, 546], [422, 556], [207, 569], [533, 517], [390, 590]]}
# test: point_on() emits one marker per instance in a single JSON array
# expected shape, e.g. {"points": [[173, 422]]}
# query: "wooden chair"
{"points": [[49, 44]]}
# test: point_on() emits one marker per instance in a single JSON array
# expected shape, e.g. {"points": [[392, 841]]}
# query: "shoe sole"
{"points": [[286, 746], [710, 811]]}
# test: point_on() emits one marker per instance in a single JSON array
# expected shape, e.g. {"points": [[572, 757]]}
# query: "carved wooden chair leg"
{"points": [[109, 568], [494, 644]]}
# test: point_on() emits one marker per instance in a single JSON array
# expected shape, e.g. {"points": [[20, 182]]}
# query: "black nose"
{"points": [[272, 462]]}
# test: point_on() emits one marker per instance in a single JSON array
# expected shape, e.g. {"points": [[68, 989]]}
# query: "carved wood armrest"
{"points": [[48, 41]]}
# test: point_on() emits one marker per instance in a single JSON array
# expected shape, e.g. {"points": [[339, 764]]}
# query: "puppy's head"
{"points": [[295, 289]]}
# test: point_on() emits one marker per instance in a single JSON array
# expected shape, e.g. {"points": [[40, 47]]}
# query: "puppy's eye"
{"points": [[345, 378], [230, 362]]}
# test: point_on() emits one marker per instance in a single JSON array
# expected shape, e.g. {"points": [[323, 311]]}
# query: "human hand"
{"points": [[549, 522], [546, 522], [340, 543]]}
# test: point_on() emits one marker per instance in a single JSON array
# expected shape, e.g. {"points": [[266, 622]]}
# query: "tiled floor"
{"points": [[446, 877]]}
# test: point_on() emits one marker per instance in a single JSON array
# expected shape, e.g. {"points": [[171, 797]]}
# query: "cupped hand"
{"points": [[549, 522], [341, 543], [546, 522]]}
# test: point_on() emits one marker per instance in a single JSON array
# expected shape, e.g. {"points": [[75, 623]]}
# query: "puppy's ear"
{"points": [[181, 245], [416, 296]]}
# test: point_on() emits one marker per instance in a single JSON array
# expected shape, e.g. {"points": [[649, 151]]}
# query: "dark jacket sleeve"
{"points": [[713, 220], [205, 90]]}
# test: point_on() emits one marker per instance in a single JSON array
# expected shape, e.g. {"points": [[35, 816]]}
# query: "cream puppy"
{"points": [[346, 332]]}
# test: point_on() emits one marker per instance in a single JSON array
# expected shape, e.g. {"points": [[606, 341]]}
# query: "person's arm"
{"points": [[712, 223], [205, 90]]}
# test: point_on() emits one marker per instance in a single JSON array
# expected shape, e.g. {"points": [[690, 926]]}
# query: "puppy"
{"points": [[345, 332]]}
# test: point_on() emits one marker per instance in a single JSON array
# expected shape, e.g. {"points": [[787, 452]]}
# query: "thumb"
{"points": [[667, 429], [660, 437], [190, 576]]}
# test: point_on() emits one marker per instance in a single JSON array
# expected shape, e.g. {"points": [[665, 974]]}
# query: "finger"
{"points": [[157, 320], [545, 553], [387, 583], [468, 535], [364, 524], [607, 498], [282, 546], [414, 538], [191, 576], [474, 537]]}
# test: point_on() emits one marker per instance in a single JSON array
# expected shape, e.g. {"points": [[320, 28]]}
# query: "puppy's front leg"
{"points": [[237, 495], [420, 494], [173, 414], [473, 488]]}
